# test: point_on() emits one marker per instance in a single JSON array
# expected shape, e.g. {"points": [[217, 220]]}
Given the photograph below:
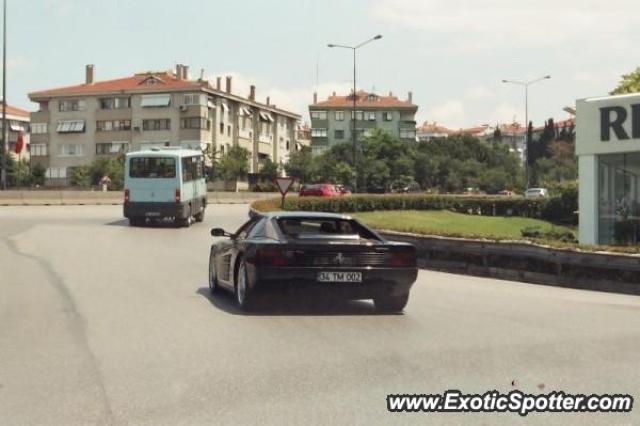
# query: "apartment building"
{"points": [[17, 122], [76, 124], [331, 119]]}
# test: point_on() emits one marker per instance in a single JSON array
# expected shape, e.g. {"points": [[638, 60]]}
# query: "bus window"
{"points": [[152, 167]]}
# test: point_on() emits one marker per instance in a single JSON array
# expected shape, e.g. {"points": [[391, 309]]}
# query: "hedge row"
{"points": [[549, 209]]}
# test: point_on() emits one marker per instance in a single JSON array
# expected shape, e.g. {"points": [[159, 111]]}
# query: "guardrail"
{"points": [[527, 262], [51, 197]]}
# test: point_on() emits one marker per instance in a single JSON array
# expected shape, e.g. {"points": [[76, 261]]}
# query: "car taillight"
{"points": [[177, 195], [272, 257], [401, 259], [126, 195]]}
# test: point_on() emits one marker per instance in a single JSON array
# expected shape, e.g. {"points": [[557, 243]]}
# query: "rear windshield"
{"points": [[152, 167], [313, 228]]}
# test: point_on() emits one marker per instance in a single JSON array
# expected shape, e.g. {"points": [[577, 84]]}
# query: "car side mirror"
{"points": [[219, 232]]}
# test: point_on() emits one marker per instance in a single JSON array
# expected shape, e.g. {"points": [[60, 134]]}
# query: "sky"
{"points": [[452, 54]]}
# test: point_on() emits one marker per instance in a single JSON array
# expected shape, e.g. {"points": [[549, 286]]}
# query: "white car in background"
{"points": [[536, 193]]}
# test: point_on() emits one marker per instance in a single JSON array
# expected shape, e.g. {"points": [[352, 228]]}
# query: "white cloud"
{"points": [[506, 113], [481, 25], [450, 113], [479, 93]]}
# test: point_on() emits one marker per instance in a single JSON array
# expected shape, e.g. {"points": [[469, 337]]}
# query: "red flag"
{"points": [[19, 143]]}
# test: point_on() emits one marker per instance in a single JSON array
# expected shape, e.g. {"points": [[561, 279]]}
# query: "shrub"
{"points": [[484, 205], [535, 232], [80, 176]]}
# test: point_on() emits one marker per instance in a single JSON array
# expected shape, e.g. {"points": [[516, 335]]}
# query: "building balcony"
{"points": [[265, 139]]}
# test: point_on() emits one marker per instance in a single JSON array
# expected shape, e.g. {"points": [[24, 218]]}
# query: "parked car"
{"points": [[536, 193], [320, 190], [312, 254]]}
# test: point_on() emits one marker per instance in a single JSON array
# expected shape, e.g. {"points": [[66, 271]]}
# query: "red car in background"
{"points": [[322, 190]]}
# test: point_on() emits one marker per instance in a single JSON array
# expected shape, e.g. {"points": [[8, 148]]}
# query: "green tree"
{"points": [[268, 170], [113, 168], [235, 164], [80, 176], [630, 83], [343, 173], [300, 165], [38, 172]]}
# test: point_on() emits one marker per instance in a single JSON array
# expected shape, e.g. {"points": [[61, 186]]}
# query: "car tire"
{"points": [[389, 303], [244, 298], [213, 276], [199, 217]]}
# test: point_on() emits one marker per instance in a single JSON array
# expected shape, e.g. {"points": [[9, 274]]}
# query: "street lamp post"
{"points": [[526, 85], [353, 118], [5, 142]]}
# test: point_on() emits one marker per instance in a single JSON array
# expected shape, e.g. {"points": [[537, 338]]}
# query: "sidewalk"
{"points": [[67, 198]]}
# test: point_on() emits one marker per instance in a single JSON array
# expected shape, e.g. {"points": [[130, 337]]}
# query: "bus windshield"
{"points": [[152, 167]]}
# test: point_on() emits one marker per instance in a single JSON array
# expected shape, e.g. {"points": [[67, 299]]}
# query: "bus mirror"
{"points": [[219, 232]]}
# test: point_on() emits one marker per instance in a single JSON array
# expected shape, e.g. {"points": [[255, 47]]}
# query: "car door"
{"points": [[228, 251]]}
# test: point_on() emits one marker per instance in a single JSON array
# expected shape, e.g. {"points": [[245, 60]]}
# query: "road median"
{"points": [[68, 198]]}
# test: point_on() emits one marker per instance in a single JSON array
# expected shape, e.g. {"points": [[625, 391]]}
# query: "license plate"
{"points": [[152, 214], [340, 277]]}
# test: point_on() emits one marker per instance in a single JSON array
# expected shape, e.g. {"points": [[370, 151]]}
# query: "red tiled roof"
{"points": [[164, 81], [433, 128], [15, 111], [364, 100]]}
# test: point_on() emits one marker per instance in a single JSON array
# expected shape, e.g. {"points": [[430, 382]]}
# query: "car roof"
{"points": [[304, 215]]}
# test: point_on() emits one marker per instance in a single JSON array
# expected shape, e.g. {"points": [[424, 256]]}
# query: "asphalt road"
{"points": [[101, 323]]}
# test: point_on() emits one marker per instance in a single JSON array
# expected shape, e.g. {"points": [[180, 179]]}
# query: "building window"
{"points": [[71, 150], [338, 134], [194, 99], [38, 150], [387, 116], [339, 115], [112, 148], [155, 101], [195, 123], [113, 125], [288, 146], [318, 115], [158, 124], [76, 126], [407, 133], [370, 115], [146, 145], [318, 133], [57, 172], [39, 128], [115, 103], [221, 128], [359, 115], [72, 105], [229, 130]]}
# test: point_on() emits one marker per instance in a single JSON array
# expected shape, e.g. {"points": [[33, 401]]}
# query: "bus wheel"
{"points": [[136, 221], [185, 221], [199, 217]]}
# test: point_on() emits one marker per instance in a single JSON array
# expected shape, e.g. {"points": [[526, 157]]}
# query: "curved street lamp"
{"points": [[353, 118], [526, 85]]}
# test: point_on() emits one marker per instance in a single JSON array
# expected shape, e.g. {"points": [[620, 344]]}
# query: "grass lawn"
{"points": [[447, 223]]}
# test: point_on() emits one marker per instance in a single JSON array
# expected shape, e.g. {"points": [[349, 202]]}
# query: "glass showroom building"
{"points": [[608, 150]]}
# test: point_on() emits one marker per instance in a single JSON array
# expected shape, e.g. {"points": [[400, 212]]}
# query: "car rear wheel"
{"points": [[389, 303], [243, 293], [213, 276]]}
